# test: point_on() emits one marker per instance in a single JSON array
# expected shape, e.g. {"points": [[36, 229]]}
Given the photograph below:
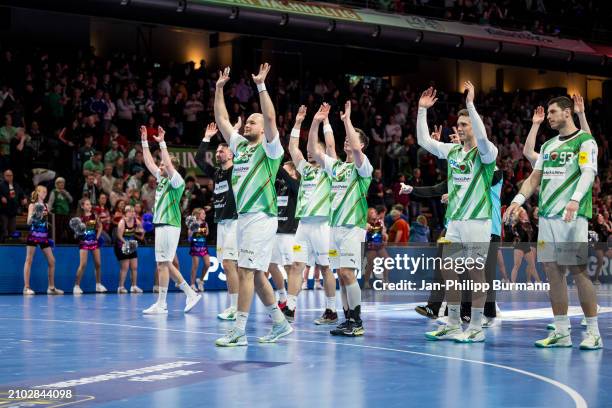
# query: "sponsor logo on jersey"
{"points": [[244, 153], [297, 248], [342, 173], [583, 158], [546, 156], [333, 252], [464, 167], [554, 155]]}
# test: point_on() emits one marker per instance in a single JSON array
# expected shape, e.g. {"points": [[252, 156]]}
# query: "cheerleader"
{"points": [[376, 237], [523, 233], [88, 233], [38, 215], [198, 231], [129, 232]]}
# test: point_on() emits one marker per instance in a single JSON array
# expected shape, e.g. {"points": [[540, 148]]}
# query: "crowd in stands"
{"points": [[71, 122], [575, 18]]}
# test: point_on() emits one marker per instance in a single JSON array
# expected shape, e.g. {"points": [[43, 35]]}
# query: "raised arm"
{"points": [[165, 156], [294, 140], [581, 113], [221, 115], [330, 141], [313, 135], [424, 139], [352, 137], [486, 149], [146, 153], [529, 148], [200, 157], [267, 107]]}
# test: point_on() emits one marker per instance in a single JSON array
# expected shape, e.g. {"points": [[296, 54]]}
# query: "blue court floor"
{"points": [[103, 349]]}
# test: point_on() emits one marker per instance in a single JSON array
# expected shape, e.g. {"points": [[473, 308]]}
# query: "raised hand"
{"points": [[143, 134], [260, 78], [578, 103], [223, 78], [238, 124], [322, 113], [538, 115], [301, 114], [211, 130], [437, 133], [160, 135], [454, 137], [470, 95], [428, 98], [346, 115]]}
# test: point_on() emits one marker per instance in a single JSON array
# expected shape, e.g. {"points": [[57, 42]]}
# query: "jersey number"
{"points": [[565, 157]]}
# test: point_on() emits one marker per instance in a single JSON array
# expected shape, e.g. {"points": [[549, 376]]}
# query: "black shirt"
{"points": [[286, 193], [223, 196]]}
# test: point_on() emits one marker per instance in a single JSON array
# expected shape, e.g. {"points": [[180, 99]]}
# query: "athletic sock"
{"points": [[592, 325], [353, 292], [476, 318], [330, 303], [187, 289], [233, 300], [241, 320], [161, 296], [291, 302], [282, 295], [562, 323], [275, 313], [345, 304], [453, 315]]}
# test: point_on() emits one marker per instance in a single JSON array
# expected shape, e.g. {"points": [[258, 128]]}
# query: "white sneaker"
{"points": [[156, 309], [471, 335], [121, 290], [227, 314], [76, 290], [194, 288], [488, 322], [591, 342], [155, 289], [54, 291], [200, 284], [318, 285], [442, 320], [444, 332], [235, 337], [277, 331], [100, 288], [135, 289], [555, 339], [191, 302], [28, 291], [305, 285]]}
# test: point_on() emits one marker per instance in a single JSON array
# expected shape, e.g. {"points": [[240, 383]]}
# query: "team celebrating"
{"points": [[312, 211]]}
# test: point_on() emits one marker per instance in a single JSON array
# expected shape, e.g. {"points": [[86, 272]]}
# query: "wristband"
{"points": [[295, 133], [162, 145], [328, 129], [261, 87], [145, 144], [519, 199]]}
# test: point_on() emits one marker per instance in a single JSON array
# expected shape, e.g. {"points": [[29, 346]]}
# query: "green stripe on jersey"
{"points": [[560, 175], [314, 197], [349, 191], [253, 178], [469, 182]]}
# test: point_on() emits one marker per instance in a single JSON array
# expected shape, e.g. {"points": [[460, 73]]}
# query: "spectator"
{"points": [[111, 156], [147, 193], [102, 211], [12, 198], [91, 189], [7, 133], [419, 231], [59, 204], [94, 165], [399, 233], [376, 194], [117, 194], [135, 181]]}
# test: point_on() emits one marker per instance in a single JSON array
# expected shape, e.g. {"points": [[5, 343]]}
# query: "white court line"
{"points": [[579, 401]]}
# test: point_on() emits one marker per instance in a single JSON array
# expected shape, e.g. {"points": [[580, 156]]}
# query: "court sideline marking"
{"points": [[579, 401]]}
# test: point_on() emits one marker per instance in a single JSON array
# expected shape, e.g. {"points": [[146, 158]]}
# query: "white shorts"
{"points": [[345, 247], [282, 254], [565, 243], [227, 240], [471, 239], [312, 241], [256, 237], [166, 242]]}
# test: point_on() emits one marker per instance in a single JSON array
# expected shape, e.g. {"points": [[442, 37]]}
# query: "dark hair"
{"points": [[189, 178], [380, 208], [564, 103], [224, 145], [363, 138]]}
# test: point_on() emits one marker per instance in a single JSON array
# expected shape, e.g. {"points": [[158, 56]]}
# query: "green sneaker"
{"points": [[444, 332], [555, 339]]}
